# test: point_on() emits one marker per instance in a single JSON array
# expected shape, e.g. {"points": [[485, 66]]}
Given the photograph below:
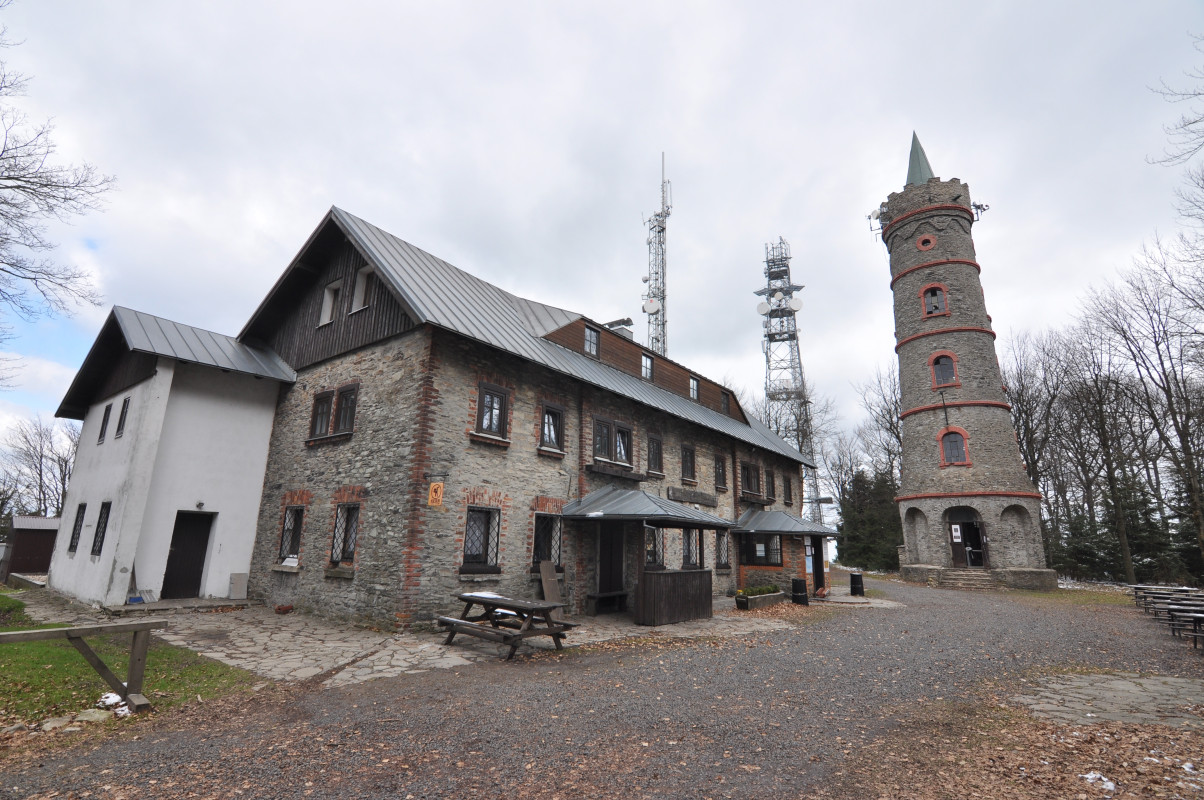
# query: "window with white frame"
{"points": [[361, 296], [330, 301]]}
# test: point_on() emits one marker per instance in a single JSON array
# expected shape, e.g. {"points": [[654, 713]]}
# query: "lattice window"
{"points": [[723, 557], [691, 548], [125, 410], [290, 535], [656, 461], [346, 528], [102, 524], [78, 528], [547, 539], [481, 537], [761, 549], [104, 423], [654, 547]]}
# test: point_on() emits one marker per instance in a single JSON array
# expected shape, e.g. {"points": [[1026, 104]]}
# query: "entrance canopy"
{"points": [[759, 521], [613, 503]]}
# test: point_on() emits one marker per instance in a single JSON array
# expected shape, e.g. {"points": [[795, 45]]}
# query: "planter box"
{"points": [[759, 601]]}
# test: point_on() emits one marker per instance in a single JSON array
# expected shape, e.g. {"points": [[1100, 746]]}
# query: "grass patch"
{"points": [[1074, 597], [878, 594], [51, 678]]}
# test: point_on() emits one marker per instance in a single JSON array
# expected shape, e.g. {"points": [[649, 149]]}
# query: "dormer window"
{"points": [[365, 282], [935, 302], [646, 367], [330, 301], [591, 341], [693, 388]]}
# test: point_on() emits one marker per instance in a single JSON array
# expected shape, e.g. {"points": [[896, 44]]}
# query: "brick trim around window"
{"points": [[956, 382], [940, 443]]}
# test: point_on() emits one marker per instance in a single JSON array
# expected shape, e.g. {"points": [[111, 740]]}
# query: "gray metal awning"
{"points": [[759, 521], [623, 505]]}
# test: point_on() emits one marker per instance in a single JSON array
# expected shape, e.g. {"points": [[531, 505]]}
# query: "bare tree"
{"points": [[41, 455], [881, 435]]}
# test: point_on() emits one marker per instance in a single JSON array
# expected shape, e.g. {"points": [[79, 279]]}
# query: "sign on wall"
{"points": [[957, 532], [434, 496]]}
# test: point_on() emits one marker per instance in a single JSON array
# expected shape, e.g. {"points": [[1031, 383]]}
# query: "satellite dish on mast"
{"points": [[762, 308], [651, 306], [796, 303], [778, 296]]}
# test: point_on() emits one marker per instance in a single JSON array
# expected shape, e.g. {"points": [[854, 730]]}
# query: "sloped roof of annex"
{"points": [[129, 331], [434, 292]]}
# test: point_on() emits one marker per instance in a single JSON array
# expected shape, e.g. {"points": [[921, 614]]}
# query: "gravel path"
{"points": [[771, 713]]}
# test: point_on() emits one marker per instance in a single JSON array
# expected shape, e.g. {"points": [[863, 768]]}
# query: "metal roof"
{"points": [[36, 523], [918, 168], [761, 521], [435, 292], [613, 503], [146, 333]]}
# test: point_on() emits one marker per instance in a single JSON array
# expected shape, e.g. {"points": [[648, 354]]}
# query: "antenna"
{"points": [[654, 298], [786, 394]]}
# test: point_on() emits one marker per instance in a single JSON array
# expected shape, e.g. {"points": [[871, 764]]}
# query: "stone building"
{"points": [[965, 498], [444, 435]]}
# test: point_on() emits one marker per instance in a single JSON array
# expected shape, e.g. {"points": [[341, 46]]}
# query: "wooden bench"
{"points": [[131, 690], [591, 607]]}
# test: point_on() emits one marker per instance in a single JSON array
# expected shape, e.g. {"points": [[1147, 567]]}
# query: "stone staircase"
{"points": [[979, 579]]}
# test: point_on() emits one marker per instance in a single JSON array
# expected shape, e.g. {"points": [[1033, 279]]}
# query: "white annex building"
{"points": [[164, 497]]}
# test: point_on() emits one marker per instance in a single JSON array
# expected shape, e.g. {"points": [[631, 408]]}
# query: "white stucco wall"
{"points": [[213, 450], [119, 471], [194, 434]]}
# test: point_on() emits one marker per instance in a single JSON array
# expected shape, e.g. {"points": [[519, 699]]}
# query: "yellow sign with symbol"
{"points": [[434, 496]]}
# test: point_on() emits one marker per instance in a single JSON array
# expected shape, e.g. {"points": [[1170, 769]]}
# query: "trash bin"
{"points": [[798, 591], [856, 585]]}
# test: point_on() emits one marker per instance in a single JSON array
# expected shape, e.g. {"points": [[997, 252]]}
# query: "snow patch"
{"points": [[1104, 783]]}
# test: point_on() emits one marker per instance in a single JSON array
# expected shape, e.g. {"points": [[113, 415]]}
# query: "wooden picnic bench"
{"points": [[131, 690], [506, 620]]}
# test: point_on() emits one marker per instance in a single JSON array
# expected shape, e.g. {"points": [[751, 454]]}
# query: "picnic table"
{"points": [[508, 620], [1181, 618]]}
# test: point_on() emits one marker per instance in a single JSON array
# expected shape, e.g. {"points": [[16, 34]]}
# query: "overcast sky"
{"points": [[522, 143]]}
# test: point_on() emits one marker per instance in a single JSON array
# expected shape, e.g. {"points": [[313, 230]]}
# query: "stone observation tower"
{"points": [[970, 513]]}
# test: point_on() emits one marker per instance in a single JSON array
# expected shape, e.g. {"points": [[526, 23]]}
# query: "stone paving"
{"points": [[1122, 697]]}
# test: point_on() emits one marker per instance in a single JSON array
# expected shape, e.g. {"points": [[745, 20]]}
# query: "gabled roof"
{"points": [[129, 330], [435, 292], [762, 521], [615, 504]]}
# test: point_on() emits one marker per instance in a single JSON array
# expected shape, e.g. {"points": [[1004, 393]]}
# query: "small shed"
{"points": [[31, 544], [777, 548]]}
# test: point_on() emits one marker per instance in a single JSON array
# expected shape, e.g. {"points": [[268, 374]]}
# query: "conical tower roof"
{"points": [[918, 168]]}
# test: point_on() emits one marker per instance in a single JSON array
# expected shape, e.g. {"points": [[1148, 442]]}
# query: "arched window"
{"points": [[954, 445], [944, 369], [935, 303]]}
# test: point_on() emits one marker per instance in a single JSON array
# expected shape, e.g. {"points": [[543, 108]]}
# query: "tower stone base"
{"points": [[1041, 580]]}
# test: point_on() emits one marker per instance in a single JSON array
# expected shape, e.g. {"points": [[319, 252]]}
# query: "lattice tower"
{"points": [[788, 401], [654, 298]]}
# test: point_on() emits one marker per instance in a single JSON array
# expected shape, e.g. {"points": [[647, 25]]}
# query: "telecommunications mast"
{"points": [[788, 401], [654, 298]]}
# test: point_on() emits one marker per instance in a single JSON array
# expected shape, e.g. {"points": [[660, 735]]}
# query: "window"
{"points": [[344, 418], [656, 461], [491, 417], [723, 556], [319, 423], [953, 449], [125, 410], [726, 403], [687, 462], [934, 301], [290, 535], [623, 445], [944, 370], [720, 473], [104, 423], [646, 367], [346, 528], [365, 280], [771, 489], [750, 478], [591, 341], [787, 491], [480, 540], [691, 549], [330, 301], [547, 540], [551, 432], [602, 431], [102, 524], [761, 549], [78, 528], [693, 388], [654, 548]]}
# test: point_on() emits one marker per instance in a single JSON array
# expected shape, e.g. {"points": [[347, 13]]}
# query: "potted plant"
{"points": [[754, 597]]}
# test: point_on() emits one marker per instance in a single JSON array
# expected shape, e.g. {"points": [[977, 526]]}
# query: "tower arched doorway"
{"points": [[967, 542]]}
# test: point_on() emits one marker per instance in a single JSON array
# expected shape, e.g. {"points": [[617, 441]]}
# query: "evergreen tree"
{"points": [[870, 522]]}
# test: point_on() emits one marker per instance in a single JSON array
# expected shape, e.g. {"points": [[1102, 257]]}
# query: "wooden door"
{"points": [[817, 561], [186, 559], [610, 559], [957, 541]]}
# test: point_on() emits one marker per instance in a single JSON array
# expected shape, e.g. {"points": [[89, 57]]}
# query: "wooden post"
{"points": [[133, 681]]}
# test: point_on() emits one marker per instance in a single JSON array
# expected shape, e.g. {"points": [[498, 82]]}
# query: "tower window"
{"points": [[944, 369], [935, 301], [926, 242], [954, 451]]}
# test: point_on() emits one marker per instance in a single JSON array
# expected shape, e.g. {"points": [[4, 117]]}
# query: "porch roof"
{"points": [[760, 521], [613, 503]]}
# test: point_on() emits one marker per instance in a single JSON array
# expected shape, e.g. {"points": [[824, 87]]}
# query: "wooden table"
{"points": [[1196, 618], [506, 620]]}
